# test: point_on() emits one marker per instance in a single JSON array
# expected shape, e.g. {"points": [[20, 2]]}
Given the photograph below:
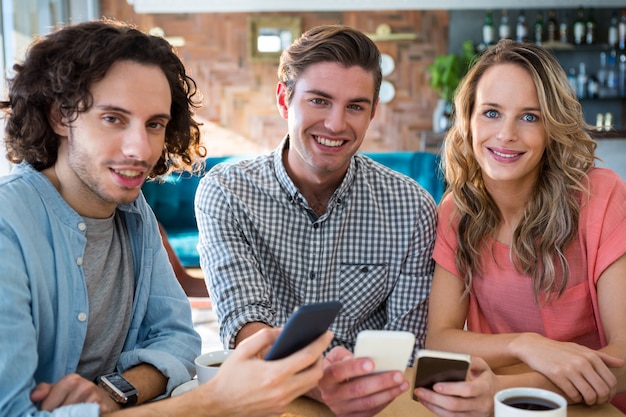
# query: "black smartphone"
{"points": [[438, 366], [305, 325]]}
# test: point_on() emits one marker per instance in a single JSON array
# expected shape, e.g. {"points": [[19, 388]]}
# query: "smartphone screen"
{"points": [[305, 325], [437, 366]]}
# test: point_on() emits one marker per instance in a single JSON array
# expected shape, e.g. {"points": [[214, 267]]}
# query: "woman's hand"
{"points": [[473, 397], [582, 374]]}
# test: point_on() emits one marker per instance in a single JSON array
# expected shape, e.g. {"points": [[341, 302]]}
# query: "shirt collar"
{"points": [[291, 189]]}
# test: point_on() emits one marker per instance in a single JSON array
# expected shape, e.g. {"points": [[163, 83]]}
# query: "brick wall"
{"points": [[239, 94]]}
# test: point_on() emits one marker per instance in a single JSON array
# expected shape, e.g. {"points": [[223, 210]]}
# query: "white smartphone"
{"points": [[438, 366], [389, 349]]}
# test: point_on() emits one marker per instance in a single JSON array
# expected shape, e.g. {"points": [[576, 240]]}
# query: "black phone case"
{"points": [[431, 370], [305, 325]]}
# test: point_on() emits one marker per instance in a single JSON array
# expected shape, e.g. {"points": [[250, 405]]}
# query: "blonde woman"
{"points": [[530, 252]]}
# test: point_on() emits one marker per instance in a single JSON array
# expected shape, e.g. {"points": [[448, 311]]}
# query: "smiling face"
{"points": [[508, 136], [108, 151], [330, 111]]}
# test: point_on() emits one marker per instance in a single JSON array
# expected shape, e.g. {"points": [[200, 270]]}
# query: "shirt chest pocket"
{"points": [[362, 288]]}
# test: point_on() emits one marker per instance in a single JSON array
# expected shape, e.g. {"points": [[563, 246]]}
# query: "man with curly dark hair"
{"points": [[89, 301]]}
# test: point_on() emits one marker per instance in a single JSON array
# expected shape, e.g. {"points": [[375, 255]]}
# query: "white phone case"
{"points": [[390, 350]]}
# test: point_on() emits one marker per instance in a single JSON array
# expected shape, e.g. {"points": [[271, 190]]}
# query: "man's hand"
{"points": [[349, 388], [72, 389], [248, 385]]}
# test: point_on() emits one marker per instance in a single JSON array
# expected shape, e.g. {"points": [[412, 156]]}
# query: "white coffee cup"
{"points": [[529, 402], [209, 363]]}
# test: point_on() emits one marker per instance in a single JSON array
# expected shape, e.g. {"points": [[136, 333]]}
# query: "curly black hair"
{"points": [[58, 72]]}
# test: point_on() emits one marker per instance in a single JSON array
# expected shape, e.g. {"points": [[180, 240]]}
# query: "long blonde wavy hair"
{"points": [[550, 219]]}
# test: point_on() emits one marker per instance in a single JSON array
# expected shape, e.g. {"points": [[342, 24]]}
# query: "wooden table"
{"points": [[404, 406]]}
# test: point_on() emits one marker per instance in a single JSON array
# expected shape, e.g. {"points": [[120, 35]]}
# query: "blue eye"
{"points": [[528, 117], [491, 114]]}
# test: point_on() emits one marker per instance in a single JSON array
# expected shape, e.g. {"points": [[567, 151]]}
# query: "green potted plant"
{"points": [[446, 72]]}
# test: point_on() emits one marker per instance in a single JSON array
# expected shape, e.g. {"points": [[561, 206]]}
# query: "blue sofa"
{"points": [[173, 200]]}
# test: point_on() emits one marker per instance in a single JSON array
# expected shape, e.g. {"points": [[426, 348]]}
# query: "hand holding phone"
{"points": [[390, 350], [438, 366], [306, 324]]}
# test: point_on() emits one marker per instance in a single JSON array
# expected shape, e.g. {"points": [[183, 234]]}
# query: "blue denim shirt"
{"points": [[43, 296]]}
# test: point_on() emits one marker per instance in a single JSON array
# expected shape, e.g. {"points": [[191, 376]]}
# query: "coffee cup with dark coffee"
{"points": [[209, 363], [529, 402]]}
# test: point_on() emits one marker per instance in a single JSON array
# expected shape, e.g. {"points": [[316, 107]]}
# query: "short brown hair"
{"points": [[329, 43]]}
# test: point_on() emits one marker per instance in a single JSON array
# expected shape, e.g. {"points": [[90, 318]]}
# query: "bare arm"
{"points": [[248, 330], [148, 380], [611, 290]]}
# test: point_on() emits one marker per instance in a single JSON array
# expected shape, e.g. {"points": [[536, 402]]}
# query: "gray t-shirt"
{"points": [[108, 269]]}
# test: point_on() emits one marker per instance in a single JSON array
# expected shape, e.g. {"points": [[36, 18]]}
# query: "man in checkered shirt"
{"points": [[313, 222]]}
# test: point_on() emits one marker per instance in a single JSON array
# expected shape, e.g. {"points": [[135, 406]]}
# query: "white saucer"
{"points": [[186, 387]]}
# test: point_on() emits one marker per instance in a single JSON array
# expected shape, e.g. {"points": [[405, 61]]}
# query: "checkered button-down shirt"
{"points": [[264, 252]]}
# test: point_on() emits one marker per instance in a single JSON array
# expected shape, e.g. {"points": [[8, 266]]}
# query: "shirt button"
{"points": [[79, 260], [312, 275], [316, 226], [82, 226], [82, 316]]}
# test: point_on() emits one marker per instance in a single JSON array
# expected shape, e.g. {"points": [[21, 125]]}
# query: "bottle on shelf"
{"points": [[539, 28], [608, 121], [521, 29], [602, 70], [590, 36], [564, 29], [593, 87], [613, 31], [612, 79], [602, 74], [579, 27], [621, 74], [553, 26], [488, 29], [599, 122], [581, 81], [621, 29], [572, 79], [504, 30]]}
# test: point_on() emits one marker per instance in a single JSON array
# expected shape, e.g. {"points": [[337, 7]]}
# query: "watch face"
{"points": [[119, 388], [119, 382]]}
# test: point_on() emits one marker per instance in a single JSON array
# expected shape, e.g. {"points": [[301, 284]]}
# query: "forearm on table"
{"points": [[618, 350], [508, 378], [498, 350], [181, 406], [148, 380]]}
